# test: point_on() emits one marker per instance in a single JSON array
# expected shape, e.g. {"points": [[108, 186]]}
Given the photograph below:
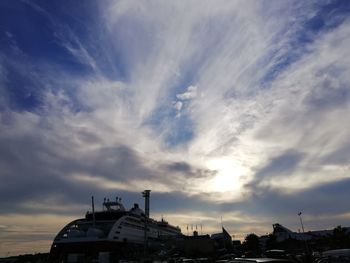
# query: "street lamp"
{"points": [[301, 221], [302, 227]]}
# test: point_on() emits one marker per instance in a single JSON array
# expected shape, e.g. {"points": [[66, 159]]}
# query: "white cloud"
{"points": [[178, 105], [191, 93], [294, 121]]}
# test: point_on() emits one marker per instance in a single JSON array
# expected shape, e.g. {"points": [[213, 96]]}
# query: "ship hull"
{"points": [[90, 250]]}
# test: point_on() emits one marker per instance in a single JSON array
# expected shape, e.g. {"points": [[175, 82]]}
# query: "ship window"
{"points": [[117, 232]]}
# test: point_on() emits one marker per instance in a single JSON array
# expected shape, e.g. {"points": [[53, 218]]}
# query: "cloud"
{"points": [[52, 163], [178, 105], [191, 93], [234, 116], [326, 194], [338, 157], [184, 98], [72, 44], [283, 165], [276, 205]]}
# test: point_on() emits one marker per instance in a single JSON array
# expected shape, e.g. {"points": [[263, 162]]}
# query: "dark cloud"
{"points": [[280, 166], [185, 170], [117, 163], [179, 201], [178, 167], [36, 171], [325, 199], [340, 156], [38, 168], [331, 93]]}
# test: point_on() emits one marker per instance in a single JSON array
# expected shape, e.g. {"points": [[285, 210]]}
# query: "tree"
{"points": [[271, 242], [340, 238], [251, 243]]}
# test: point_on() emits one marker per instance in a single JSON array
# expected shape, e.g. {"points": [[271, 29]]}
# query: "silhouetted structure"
{"points": [[222, 240], [320, 240]]}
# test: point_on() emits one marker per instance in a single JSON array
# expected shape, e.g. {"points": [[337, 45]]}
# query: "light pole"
{"points": [[301, 222], [302, 227]]}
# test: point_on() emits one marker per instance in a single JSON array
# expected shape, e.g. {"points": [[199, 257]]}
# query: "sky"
{"points": [[232, 111]]}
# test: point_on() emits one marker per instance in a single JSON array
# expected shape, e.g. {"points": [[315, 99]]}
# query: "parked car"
{"points": [[260, 260], [334, 256]]}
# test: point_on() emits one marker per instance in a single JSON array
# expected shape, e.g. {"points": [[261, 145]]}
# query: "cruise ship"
{"points": [[110, 234]]}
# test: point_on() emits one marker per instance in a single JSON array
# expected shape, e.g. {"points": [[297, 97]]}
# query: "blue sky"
{"points": [[223, 108]]}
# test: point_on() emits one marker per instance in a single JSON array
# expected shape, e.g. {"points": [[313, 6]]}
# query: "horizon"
{"points": [[229, 109], [187, 230]]}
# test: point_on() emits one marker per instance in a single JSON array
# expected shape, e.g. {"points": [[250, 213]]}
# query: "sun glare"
{"points": [[228, 175]]}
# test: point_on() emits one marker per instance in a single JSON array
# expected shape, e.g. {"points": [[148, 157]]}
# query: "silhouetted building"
{"points": [[284, 238], [222, 240], [282, 233], [196, 245]]}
